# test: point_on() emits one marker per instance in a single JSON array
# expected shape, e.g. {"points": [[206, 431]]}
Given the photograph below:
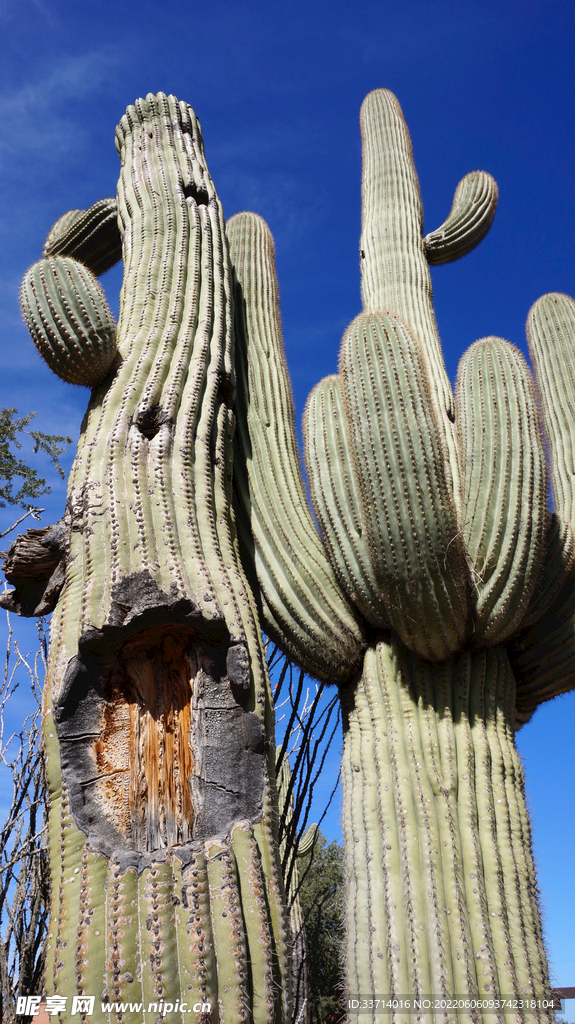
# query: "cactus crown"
{"points": [[431, 506]]}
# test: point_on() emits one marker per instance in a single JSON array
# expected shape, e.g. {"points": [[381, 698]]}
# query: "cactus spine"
{"points": [[440, 599]]}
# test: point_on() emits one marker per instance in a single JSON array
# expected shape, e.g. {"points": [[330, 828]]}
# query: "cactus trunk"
{"points": [[443, 899], [165, 875]]}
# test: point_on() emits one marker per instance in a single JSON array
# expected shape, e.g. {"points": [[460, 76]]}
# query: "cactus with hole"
{"points": [[438, 595], [166, 879]]}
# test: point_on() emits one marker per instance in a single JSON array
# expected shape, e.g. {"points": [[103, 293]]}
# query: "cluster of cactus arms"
{"points": [[438, 594]]}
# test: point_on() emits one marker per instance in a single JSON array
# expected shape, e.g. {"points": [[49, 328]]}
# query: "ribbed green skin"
{"points": [[337, 500], [303, 607], [551, 339], [155, 458], [69, 319], [60, 228], [470, 217], [197, 956], [394, 271], [543, 655], [504, 484], [417, 557], [438, 846], [90, 236], [556, 570]]}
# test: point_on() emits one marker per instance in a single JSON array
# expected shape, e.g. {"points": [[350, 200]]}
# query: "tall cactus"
{"points": [[433, 519], [166, 882], [439, 597]]}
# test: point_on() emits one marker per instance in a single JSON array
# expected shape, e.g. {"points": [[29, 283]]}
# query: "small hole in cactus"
{"points": [[451, 415], [148, 421], [193, 191]]}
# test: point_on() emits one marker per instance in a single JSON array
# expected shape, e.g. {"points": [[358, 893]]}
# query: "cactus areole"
{"points": [[439, 594]]}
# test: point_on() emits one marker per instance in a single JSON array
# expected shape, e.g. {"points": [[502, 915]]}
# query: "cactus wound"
{"points": [[149, 720]]}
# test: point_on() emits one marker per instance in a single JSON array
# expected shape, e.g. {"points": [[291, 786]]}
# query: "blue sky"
{"points": [[277, 88]]}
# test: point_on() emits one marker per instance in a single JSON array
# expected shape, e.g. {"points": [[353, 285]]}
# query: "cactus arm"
{"points": [[557, 570], [307, 841], [69, 319], [414, 542], [90, 236], [336, 497], [304, 609], [551, 337], [469, 220], [395, 274], [504, 485], [543, 654]]}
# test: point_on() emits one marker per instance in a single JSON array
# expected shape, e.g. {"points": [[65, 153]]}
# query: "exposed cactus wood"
{"points": [[446, 904], [304, 609], [394, 271], [337, 500], [415, 546], [34, 566], [90, 236], [504, 484], [469, 220], [155, 749], [551, 338], [69, 319]]}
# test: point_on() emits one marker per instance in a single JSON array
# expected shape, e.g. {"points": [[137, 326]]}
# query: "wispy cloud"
{"points": [[35, 118]]}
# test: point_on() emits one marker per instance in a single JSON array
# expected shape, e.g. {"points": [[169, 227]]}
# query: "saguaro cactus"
{"points": [[165, 874], [440, 597], [433, 520]]}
